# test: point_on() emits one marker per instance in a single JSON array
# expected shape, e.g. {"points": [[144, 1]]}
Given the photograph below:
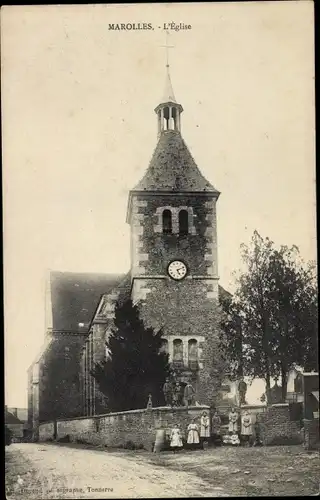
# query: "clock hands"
{"points": [[180, 269]]}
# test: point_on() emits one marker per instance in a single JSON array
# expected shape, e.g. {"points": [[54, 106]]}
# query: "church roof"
{"points": [[74, 297], [172, 168]]}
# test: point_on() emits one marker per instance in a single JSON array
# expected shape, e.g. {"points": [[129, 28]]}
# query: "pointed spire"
{"points": [[168, 95], [168, 110]]}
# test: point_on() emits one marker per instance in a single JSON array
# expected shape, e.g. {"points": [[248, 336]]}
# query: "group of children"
{"points": [[201, 434], [194, 435]]}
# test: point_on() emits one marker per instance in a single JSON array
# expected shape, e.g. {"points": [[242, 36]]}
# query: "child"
{"points": [[193, 433], [176, 438]]}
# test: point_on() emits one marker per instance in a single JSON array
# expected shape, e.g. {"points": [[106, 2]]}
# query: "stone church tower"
{"points": [[174, 264], [173, 279]]}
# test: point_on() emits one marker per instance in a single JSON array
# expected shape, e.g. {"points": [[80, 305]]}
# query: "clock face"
{"points": [[177, 270]]}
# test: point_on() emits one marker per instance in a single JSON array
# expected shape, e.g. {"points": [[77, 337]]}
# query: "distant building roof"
{"points": [[11, 419], [173, 169], [21, 413], [74, 296]]}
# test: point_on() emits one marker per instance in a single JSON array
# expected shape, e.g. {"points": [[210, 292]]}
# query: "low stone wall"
{"points": [[254, 410], [140, 426], [277, 428], [117, 429], [311, 434], [46, 431]]}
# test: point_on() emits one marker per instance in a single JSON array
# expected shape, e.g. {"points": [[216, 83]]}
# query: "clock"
{"points": [[177, 270]]}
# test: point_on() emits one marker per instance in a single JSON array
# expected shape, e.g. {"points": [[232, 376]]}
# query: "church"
{"points": [[173, 279]]}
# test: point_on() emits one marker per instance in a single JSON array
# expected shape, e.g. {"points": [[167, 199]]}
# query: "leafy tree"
{"points": [[271, 321], [136, 365]]}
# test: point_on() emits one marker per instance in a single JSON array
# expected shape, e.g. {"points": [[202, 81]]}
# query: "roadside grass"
{"points": [[265, 471]]}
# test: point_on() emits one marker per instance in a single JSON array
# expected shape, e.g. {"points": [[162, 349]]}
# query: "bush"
{"points": [[81, 441], [284, 441], [129, 445], [64, 439]]}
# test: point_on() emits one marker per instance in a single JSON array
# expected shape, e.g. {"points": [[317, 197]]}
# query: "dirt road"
{"points": [[41, 471]]}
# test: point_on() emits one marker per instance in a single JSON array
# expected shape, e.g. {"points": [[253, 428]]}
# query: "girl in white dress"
{"points": [[193, 433], [205, 426], [176, 438]]}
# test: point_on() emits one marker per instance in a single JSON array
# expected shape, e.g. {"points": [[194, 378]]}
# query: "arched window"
{"points": [[178, 351], [183, 222], [164, 346], [193, 354], [167, 222]]}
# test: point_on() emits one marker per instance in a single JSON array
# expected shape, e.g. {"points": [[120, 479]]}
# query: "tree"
{"points": [[273, 314], [136, 365], [214, 361]]}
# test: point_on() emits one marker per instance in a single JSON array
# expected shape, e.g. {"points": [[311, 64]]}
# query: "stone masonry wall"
{"points": [[46, 431], [277, 428], [311, 434], [151, 250], [116, 429]]}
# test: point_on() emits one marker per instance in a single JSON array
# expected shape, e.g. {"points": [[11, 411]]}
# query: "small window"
{"points": [[183, 222], [167, 222], [193, 350], [177, 350], [164, 346]]}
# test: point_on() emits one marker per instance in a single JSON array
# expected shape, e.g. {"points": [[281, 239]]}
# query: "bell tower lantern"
{"points": [[168, 111]]}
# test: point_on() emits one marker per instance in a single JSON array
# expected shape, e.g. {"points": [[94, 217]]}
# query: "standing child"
{"points": [[176, 438], [246, 427], [193, 433], [205, 429]]}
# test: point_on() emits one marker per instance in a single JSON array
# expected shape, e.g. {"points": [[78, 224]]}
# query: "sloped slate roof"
{"points": [[22, 413], [11, 419], [223, 294], [74, 297], [172, 168]]}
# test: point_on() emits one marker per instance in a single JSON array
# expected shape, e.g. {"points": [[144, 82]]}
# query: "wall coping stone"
{"points": [[252, 406], [279, 405], [130, 412]]}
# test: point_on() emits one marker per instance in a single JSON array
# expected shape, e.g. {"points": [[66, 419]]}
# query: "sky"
{"points": [[79, 130]]}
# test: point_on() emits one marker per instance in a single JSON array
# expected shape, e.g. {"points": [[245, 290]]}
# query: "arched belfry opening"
{"points": [[167, 222], [183, 222]]}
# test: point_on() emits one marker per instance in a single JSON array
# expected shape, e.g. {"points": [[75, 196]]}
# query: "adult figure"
{"points": [[188, 395], [176, 438], [204, 427], [176, 396], [193, 433], [216, 427], [167, 392], [233, 421], [257, 431], [242, 388], [246, 427]]}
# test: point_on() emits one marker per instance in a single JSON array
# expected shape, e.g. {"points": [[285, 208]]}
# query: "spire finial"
{"points": [[167, 47], [168, 93]]}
